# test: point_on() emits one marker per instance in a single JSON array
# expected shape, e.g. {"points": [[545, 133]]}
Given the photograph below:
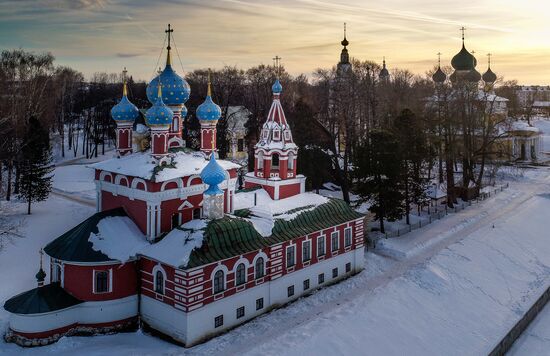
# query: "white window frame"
{"points": [[109, 280], [213, 278], [324, 244], [293, 256], [332, 235], [308, 243], [158, 268], [348, 237], [245, 273]]}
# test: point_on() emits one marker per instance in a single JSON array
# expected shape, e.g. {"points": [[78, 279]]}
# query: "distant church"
{"points": [[174, 246]]}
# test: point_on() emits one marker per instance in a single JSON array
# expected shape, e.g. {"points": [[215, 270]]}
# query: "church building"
{"points": [[174, 247]]}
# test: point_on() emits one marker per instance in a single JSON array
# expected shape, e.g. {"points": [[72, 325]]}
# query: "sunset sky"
{"points": [[105, 35]]}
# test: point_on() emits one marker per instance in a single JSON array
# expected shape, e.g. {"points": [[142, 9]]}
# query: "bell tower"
{"points": [[276, 154]]}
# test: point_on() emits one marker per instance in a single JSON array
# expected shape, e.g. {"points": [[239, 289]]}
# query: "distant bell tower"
{"points": [[276, 154], [344, 66]]}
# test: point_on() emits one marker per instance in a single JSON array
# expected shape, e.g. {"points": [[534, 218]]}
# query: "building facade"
{"points": [[174, 247]]}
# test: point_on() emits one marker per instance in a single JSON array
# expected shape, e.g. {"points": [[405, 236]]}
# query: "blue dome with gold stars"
{"points": [[159, 114], [208, 110], [213, 174], [124, 110], [175, 89]]}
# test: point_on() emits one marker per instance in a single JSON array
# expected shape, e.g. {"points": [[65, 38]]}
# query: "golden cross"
{"points": [[462, 29], [439, 58], [489, 58], [124, 88], [344, 30], [169, 31], [277, 61]]}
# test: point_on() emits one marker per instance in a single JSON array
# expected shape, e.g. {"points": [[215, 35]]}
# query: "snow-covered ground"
{"points": [[535, 340], [458, 294]]}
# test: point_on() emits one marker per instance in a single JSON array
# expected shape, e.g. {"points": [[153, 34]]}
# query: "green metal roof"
{"points": [[233, 236], [73, 246], [48, 298]]}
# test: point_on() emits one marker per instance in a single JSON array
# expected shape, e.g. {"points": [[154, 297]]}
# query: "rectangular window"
{"points": [[276, 135], [347, 237], [348, 267], [218, 321], [101, 281], [334, 240], [259, 303], [290, 291], [306, 251], [321, 246], [290, 256], [321, 278], [240, 312], [306, 284], [334, 272]]}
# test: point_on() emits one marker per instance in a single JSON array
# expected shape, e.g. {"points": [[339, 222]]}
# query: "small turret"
{"points": [[208, 114], [213, 175], [124, 113], [40, 275], [439, 76], [489, 77], [384, 73]]}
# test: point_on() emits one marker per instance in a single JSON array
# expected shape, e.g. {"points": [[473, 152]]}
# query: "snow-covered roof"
{"points": [[523, 126], [266, 210], [140, 164], [481, 95], [118, 237], [176, 247]]}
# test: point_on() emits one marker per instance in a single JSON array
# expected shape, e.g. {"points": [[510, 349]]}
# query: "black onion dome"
{"points": [[439, 76], [344, 42], [489, 76], [463, 60], [474, 76]]}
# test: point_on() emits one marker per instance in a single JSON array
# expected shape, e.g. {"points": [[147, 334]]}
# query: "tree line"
{"points": [[382, 141]]}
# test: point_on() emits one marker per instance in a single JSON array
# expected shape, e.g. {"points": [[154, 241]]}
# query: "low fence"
{"points": [[507, 341], [436, 214]]}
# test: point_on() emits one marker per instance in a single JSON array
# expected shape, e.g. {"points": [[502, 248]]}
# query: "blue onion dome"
{"points": [[439, 76], [175, 89], [277, 88], [124, 110], [208, 110], [213, 174], [159, 114], [489, 76], [463, 60]]}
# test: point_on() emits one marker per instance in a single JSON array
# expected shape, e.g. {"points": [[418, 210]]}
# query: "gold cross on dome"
{"points": [[439, 58], [169, 31], [277, 61], [462, 29]]}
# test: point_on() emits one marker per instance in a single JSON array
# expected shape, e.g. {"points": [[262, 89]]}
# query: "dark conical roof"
{"points": [[74, 246], [39, 300], [489, 76], [439, 76], [463, 60]]}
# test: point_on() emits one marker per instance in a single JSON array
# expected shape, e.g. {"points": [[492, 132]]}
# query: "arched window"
{"points": [[159, 282], [275, 160], [219, 282], [259, 268], [241, 274]]}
